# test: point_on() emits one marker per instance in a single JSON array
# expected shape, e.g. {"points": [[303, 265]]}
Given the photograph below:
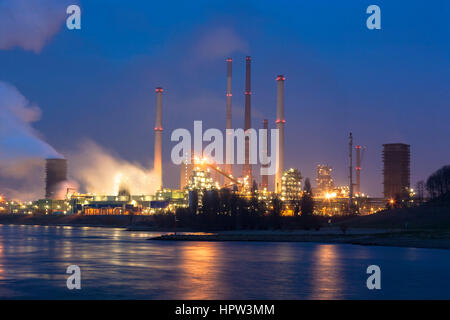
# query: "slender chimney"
{"points": [[358, 170], [265, 178], [157, 163], [247, 169], [350, 176], [228, 166], [280, 126]]}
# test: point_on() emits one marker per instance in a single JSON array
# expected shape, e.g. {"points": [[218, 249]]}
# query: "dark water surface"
{"points": [[119, 264]]}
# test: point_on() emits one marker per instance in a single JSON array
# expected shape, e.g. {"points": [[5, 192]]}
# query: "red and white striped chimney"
{"points": [[229, 167], [247, 168], [265, 177], [280, 126], [157, 163]]}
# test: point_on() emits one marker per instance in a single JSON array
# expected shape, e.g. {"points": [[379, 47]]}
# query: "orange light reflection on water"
{"points": [[326, 273], [1, 265], [200, 272]]}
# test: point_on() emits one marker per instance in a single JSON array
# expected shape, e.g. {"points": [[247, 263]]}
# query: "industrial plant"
{"points": [[199, 175]]}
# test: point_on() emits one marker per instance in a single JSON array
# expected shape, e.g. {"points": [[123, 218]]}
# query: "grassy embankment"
{"points": [[427, 226]]}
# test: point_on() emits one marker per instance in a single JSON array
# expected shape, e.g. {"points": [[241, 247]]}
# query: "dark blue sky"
{"points": [[388, 85]]}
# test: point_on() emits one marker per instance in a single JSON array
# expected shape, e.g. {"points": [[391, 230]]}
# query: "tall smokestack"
{"points": [[280, 126], [350, 175], [265, 178], [157, 163], [247, 168], [228, 167], [55, 173], [358, 170]]}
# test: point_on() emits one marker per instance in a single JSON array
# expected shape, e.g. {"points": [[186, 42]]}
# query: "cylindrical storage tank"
{"points": [[55, 173]]}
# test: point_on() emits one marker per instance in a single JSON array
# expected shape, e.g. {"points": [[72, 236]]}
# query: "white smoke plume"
{"points": [[30, 24], [218, 43], [99, 171], [23, 154], [21, 149], [18, 139]]}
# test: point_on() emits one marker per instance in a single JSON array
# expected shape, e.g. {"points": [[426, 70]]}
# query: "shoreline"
{"points": [[408, 239], [394, 237]]}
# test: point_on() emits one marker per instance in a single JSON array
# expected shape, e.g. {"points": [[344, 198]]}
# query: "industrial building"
{"points": [[291, 185], [324, 180], [55, 173], [396, 170]]}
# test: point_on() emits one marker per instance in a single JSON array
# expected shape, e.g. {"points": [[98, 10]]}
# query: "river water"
{"points": [[117, 264]]}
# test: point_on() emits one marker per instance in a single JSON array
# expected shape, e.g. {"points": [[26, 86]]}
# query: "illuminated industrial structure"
{"points": [[199, 175], [324, 181], [163, 200], [291, 185], [201, 180], [186, 168]]}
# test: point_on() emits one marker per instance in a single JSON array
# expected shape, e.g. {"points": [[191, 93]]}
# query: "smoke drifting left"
{"points": [[23, 151], [31, 24], [99, 171]]}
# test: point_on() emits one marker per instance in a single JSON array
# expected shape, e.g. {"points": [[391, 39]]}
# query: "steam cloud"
{"points": [[21, 150], [98, 171], [219, 43], [30, 24], [18, 140], [22, 154]]}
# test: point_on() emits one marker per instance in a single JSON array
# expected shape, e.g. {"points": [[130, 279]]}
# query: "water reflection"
{"points": [[1, 262], [117, 264], [199, 268], [327, 279]]}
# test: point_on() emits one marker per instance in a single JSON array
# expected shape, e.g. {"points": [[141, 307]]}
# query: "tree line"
{"points": [[438, 184], [225, 209]]}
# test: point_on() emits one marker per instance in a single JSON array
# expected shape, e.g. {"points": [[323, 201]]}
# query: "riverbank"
{"points": [[414, 238], [355, 233]]}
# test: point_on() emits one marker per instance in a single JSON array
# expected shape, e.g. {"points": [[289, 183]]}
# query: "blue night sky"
{"points": [[388, 85]]}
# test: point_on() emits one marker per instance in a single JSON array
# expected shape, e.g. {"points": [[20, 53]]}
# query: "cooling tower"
{"points": [[55, 173]]}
